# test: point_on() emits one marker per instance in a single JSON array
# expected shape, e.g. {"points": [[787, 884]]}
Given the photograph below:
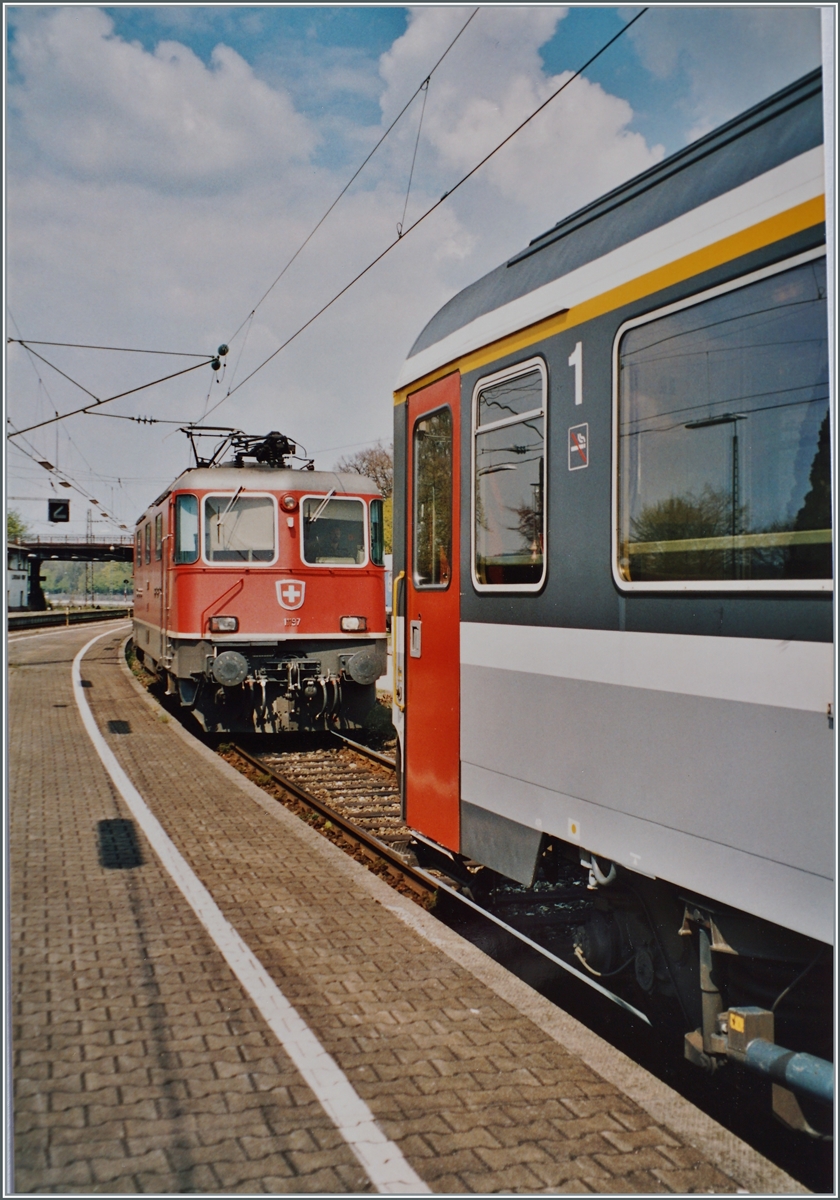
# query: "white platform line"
{"points": [[381, 1159]]}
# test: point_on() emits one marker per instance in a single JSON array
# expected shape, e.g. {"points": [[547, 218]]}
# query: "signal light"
{"points": [[354, 624], [224, 624], [289, 503], [58, 510]]}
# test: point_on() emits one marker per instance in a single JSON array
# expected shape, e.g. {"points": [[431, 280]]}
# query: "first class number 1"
{"points": [[576, 361]]}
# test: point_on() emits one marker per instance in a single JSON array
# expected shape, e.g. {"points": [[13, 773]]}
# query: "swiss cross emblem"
{"points": [[290, 592]]}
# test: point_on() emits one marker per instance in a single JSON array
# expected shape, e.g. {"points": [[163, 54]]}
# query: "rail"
{"points": [[417, 880]]}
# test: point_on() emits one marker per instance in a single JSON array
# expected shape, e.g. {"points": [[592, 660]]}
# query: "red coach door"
{"points": [[432, 613]]}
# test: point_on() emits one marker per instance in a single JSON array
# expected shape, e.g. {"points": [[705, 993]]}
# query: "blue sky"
{"points": [[164, 163]]}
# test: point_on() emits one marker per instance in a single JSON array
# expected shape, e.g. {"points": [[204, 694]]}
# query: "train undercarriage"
{"points": [[734, 988], [270, 688]]}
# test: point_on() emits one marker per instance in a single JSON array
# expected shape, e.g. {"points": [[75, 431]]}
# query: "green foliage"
{"points": [[678, 518], [815, 512], [388, 524], [16, 529], [69, 577]]}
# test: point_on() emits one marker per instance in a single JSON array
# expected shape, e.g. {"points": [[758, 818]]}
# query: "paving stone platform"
{"points": [[141, 1064]]}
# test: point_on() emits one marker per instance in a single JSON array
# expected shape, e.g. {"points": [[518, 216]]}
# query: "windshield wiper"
{"points": [[327, 499], [222, 515]]}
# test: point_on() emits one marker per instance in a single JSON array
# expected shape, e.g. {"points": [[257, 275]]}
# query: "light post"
{"points": [[735, 483]]}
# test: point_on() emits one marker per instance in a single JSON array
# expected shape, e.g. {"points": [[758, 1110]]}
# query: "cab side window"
{"points": [[186, 529], [158, 536], [377, 533]]}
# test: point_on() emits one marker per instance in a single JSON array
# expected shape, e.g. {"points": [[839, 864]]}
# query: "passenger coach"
{"points": [[613, 566]]}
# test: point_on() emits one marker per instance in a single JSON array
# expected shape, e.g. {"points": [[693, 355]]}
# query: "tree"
{"points": [[16, 529], [388, 524], [377, 462]]}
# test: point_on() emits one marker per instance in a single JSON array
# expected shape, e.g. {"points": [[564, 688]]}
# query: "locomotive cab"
{"points": [[260, 594]]}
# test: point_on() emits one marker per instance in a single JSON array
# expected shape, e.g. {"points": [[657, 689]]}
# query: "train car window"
{"points": [[239, 528], [377, 533], [432, 533], [509, 479], [138, 548], [158, 536], [186, 529], [148, 541], [333, 531], [723, 428]]}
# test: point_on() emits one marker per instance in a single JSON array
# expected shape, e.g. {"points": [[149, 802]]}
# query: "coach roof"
{"points": [[780, 128]]}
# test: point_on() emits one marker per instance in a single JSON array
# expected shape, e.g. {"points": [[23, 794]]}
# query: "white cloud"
{"points": [[731, 57], [153, 198], [102, 108], [571, 152]]}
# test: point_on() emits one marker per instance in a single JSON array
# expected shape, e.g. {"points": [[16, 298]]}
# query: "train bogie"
{"points": [[259, 596], [613, 555]]}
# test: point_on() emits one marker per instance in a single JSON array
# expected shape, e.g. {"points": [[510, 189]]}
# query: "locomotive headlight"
{"points": [[224, 624], [353, 624], [289, 503]]}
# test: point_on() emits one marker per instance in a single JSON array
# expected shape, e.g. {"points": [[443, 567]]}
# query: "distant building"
{"points": [[17, 576]]}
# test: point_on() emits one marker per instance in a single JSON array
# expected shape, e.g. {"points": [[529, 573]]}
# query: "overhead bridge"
{"points": [[69, 548]]}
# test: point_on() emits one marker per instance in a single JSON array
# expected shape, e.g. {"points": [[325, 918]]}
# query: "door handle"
{"points": [[414, 644], [395, 652]]}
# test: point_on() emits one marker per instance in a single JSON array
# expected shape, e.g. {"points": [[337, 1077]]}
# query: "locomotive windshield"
{"points": [[333, 531], [724, 436], [239, 528]]}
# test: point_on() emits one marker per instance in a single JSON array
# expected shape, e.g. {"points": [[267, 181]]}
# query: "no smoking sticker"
{"points": [[579, 447]]}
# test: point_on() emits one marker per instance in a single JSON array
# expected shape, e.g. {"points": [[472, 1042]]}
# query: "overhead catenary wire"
{"points": [[432, 208], [355, 175], [64, 478], [425, 88], [119, 349], [95, 474], [250, 323], [138, 420], [86, 408]]}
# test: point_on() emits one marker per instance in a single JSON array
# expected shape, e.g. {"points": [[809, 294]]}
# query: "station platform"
{"points": [[208, 996]]}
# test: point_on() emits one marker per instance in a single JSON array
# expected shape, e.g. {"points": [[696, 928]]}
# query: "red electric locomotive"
{"points": [[259, 589]]}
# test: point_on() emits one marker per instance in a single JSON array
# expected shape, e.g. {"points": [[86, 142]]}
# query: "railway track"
{"points": [[353, 790], [350, 793]]}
